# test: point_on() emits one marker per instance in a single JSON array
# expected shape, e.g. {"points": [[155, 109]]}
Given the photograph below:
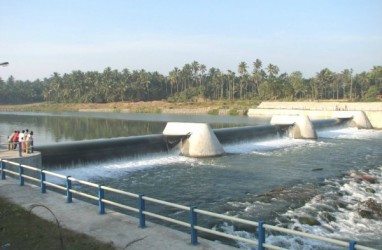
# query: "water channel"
{"points": [[279, 180]]}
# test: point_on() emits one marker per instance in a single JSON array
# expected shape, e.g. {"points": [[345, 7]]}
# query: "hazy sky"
{"points": [[40, 37]]}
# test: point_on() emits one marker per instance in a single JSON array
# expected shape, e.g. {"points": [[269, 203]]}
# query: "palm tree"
{"points": [[273, 70], [186, 74], [297, 83], [322, 81], [195, 69], [202, 70], [242, 69], [257, 74]]}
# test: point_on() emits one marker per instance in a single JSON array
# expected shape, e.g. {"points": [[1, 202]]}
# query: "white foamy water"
{"points": [[343, 205], [265, 146], [350, 133], [337, 211], [117, 167]]}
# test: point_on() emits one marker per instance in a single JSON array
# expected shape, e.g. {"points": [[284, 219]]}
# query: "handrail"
{"points": [[53, 174], [166, 203], [90, 184], [54, 185], [261, 227], [225, 217], [120, 205], [83, 194], [119, 191], [311, 236], [157, 216]]}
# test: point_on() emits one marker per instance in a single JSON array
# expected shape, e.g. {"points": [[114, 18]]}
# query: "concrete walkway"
{"points": [[116, 228]]}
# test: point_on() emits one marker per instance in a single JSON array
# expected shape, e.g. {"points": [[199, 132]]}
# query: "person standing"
{"points": [[26, 133], [10, 141], [21, 140], [29, 143], [15, 139]]}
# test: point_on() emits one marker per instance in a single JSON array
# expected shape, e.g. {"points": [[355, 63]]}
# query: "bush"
{"points": [[213, 112], [233, 112]]}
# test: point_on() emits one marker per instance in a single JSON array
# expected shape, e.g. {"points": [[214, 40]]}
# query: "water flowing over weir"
{"points": [[100, 149], [92, 150]]}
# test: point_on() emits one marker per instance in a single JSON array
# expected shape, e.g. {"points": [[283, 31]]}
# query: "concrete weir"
{"points": [[301, 126], [358, 118], [92, 150], [193, 139], [197, 139]]}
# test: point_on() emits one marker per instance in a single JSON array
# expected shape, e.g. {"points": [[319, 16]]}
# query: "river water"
{"points": [[279, 180]]}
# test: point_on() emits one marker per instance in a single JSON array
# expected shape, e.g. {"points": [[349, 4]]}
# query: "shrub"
{"points": [[213, 112]]}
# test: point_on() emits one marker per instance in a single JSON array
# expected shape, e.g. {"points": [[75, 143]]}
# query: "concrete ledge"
{"points": [[330, 106], [33, 160], [113, 227]]}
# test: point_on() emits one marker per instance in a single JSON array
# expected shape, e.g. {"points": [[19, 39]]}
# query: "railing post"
{"points": [[101, 204], [2, 164], [69, 195], [352, 245], [260, 235], [42, 184], [193, 223], [142, 207], [20, 149], [21, 178]]}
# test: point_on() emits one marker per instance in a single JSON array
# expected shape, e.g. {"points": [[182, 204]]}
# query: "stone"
{"points": [[309, 221]]}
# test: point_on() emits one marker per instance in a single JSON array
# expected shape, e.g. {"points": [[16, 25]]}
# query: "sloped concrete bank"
{"points": [[316, 110]]}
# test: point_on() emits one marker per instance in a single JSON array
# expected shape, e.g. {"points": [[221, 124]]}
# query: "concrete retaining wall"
{"points": [[317, 110], [330, 106]]}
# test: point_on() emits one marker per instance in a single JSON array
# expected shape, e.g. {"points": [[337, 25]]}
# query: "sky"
{"points": [[39, 37]]}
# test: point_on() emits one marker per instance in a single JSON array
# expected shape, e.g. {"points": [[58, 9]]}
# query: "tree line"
{"points": [[192, 82]]}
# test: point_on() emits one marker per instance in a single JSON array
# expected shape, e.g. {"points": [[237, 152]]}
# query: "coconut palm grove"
{"points": [[192, 82]]}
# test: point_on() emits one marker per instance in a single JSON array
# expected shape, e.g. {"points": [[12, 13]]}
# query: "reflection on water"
{"points": [[49, 127]]}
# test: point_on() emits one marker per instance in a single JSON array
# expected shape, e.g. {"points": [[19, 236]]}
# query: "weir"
{"points": [[92, 150], [194, 140]]}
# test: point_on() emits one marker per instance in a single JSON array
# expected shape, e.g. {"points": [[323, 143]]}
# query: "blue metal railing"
{"points": [[192, 224]]}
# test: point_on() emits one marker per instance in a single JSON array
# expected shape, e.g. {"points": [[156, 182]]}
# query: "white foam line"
{"points": [[117, 167], [350, 133], [264, 147]]}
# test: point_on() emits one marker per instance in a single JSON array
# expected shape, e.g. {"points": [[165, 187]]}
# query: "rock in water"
{"points": [[309, 221]]}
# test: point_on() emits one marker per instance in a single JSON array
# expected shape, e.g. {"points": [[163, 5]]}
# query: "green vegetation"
{"points": [[194, 83], [213, 112], [20, 229], [233, 112]]}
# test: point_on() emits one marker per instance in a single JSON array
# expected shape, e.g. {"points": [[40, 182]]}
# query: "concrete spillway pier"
{"points": [[197, 139]]}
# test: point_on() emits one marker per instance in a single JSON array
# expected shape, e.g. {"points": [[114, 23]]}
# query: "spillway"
{"points": [[95, 150]]}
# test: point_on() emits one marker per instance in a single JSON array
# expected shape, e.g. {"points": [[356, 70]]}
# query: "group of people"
{"points": [[24, 139]]}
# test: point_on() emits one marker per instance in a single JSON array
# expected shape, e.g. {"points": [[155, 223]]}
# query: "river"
{"points": [[279, 180]]}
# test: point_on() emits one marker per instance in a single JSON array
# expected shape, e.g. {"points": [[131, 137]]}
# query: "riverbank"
{"points": [[203, 107]]}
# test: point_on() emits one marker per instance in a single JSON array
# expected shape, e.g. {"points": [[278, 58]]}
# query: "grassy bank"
{"points": [[133, 107], [19, 229]]}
